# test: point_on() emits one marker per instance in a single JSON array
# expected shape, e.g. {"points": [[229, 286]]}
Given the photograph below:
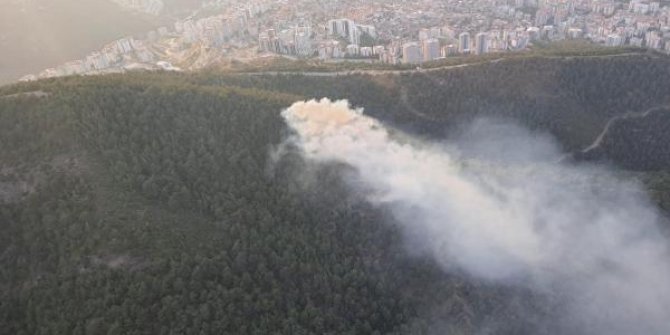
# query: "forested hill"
{"points": [[571, 97], [152, 203], [133, 205]]}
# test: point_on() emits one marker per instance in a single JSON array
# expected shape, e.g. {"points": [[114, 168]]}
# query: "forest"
{"points": [[146, 203]]}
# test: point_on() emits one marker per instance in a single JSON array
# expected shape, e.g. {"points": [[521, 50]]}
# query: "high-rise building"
{"points": [[411, 53], [482, 41], [344, 28], [614, 40], [370, 30], [575, 32], [449, 50], [303, 44], [464, 43], [652, 40], [352, 50], [269, 41], [448, 32], [533, 33], [548, 31], [431, 49], [424, 34], [286, 39], [542, 17]]}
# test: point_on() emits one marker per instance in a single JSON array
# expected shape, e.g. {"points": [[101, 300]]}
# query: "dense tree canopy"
{"points": [[152, 203]]}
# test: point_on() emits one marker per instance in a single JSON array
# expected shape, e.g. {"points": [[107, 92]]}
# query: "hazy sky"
{"points": [[37, 34]]}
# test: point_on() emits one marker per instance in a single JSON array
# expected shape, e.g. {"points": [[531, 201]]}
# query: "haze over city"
{"points": [[65, 37]]}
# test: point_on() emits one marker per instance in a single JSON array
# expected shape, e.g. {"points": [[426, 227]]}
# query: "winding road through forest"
{"points": [[418, 69], [626, 116]]}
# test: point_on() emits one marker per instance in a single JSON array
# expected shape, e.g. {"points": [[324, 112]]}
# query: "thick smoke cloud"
{"points": [[494, 203]]}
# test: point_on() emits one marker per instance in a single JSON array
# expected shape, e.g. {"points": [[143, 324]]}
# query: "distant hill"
{"points": [[37, 34], [151, 202]]}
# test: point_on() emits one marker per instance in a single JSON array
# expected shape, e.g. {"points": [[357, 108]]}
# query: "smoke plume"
{"points": [[495, 204]]}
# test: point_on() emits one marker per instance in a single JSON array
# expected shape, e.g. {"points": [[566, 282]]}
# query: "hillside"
{"points": [[153, 202], [568, 95]]}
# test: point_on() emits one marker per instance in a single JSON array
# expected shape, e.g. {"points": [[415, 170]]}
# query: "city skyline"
{"points": [[375, 31]]}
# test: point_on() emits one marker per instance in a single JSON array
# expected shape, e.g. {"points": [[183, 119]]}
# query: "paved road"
{"points": [[629, 115], [415, 70], [38, 94]]}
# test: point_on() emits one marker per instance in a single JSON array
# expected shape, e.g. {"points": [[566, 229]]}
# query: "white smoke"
{"points": [[497, 206]]}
